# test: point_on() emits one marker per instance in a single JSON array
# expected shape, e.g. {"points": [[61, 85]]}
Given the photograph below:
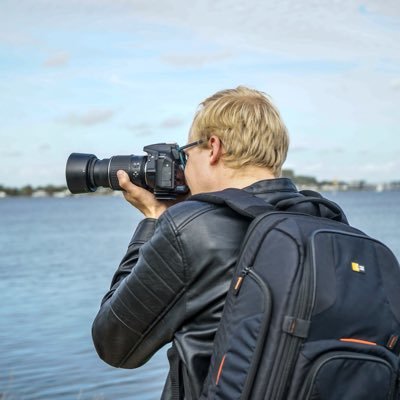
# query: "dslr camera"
{"points": [[160, 171]]}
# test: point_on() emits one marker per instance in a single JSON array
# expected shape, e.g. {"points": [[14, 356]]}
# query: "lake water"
{"points": [[57, 257]]}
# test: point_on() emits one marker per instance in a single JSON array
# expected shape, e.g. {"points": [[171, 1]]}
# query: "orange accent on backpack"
{"points": [[220, 369], [358, 341]]}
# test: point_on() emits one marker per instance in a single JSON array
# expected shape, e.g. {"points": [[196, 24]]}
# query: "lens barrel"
{"points": [[85, 172]]}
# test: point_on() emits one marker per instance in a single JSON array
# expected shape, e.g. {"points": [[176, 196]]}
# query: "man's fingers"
{"points": [[123, 180], [139, 197], [134, 194]]}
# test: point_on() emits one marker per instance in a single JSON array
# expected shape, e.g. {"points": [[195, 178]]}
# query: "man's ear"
{"points": [[215, 148]]}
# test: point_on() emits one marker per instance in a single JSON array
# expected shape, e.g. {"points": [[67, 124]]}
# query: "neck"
{"points": [[243, 177]]}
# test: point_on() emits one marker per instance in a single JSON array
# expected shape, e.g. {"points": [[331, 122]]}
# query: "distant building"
{"points": [[39, 193], [63, 193]]}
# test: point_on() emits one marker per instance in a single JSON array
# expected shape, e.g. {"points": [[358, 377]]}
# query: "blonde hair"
{"points": [[248, 125]]}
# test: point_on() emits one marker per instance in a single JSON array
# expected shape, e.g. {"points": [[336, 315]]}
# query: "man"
{"points": [[172, 282]]}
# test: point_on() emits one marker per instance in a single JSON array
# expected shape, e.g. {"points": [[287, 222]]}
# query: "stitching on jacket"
{"points": [[122, 322], [147, 288], [177, 248], [162, 281], [150, 328], [121, 304], [170, 305], [139, 301]]}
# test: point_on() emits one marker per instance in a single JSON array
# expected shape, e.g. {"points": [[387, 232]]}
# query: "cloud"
{"points": [[395, 84], [171, 123], [309, 168], [117, 80], [18, 39], [57, 60], [11, 153], [382, 167], [195, 60], [141, 47], [298, 149], [319, 148], [141, 129], [334, 29], [91, 117], [333, 150], [144, 129], [337, 30]]}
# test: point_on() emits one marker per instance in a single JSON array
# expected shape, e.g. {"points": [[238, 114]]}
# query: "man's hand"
{"points": [[141, 198]]}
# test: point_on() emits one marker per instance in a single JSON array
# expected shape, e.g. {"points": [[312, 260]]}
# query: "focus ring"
{"points": [[117, 163]]}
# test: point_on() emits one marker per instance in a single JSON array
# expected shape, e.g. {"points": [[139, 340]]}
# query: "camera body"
{"points": [[160, 172]]}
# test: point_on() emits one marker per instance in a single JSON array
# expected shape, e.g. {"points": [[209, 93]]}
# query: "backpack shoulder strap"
{"points": [[248, 205]]}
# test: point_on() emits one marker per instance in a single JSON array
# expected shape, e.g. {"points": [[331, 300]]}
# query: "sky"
{"points": [[110, 76]]}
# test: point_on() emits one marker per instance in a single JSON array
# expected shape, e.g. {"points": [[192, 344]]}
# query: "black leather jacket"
{"points": [[171, 286]]}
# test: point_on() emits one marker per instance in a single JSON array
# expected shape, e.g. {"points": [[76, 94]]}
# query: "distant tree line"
{"points": [[310, 181], [28, 190], [299, 180]]}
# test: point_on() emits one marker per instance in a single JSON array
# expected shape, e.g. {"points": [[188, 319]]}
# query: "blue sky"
{"points": [[111, 76]]}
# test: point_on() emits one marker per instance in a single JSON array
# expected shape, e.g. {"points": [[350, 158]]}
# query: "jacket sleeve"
{"points": [[145, 304]]}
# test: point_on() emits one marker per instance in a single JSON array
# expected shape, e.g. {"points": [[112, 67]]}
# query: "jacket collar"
{"points": [[273, 190], [272, 185]]}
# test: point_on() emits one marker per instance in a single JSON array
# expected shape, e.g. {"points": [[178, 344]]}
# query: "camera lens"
{"points": [[78, 174], [85, 172]]}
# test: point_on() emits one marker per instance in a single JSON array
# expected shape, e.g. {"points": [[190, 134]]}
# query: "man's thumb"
{"points": [[123, 178]]}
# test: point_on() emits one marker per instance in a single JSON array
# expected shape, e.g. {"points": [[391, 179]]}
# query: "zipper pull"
{"points": [[239, 280], [392, 343]]}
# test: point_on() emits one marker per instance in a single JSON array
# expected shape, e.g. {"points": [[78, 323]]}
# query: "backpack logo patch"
{"points": [[357, 267]]}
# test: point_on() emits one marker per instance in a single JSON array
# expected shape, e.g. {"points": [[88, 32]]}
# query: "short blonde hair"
{"points": [[248, 125]]}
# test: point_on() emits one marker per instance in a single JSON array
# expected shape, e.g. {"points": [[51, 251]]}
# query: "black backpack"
{"points": [[313, 311]]}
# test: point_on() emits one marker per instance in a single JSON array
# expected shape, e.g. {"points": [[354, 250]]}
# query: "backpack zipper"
{"points": [[253, 369], [291, 344]]}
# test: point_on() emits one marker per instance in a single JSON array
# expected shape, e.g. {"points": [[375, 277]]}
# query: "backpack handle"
{"points": [[337, 212]]}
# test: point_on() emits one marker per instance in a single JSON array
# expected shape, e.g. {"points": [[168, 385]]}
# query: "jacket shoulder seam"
{"points": [[183, 256]]}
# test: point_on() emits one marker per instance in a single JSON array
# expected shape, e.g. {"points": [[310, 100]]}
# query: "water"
{"points": [[57, 257], [375, 213], [57, 260]]}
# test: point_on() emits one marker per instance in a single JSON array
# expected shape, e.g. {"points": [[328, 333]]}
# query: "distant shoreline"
{"points": [[302, 183]]}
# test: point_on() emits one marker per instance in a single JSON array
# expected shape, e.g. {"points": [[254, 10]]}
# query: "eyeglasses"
{"points": [[183, 155]]}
